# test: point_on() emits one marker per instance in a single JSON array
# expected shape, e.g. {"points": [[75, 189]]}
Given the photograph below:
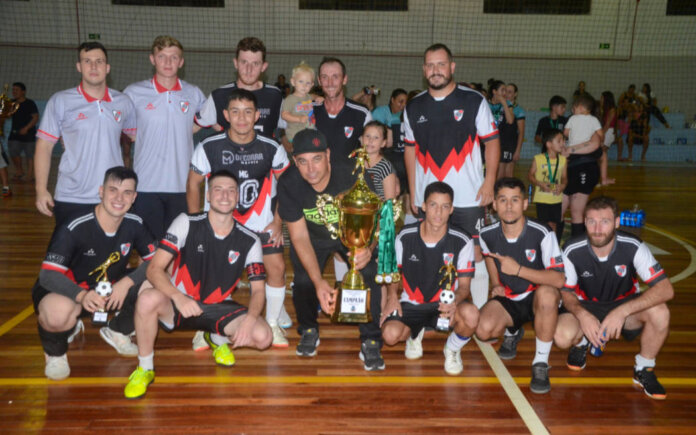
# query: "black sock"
{"points": [[577, 229], [124, 323], [559, 231], [54, 343]]}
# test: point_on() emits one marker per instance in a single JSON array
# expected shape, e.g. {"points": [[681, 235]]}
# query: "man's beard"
{"points": [[447, 81], [602, 242]]}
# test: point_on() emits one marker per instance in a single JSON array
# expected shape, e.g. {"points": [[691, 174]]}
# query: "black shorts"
{"points": [[158, 210], [38, 293], [548, 212], [214, 318], [417, 317], [506, 155], [602, 309], [267, 246], [397, 160], [521, 311], [582, 178]]}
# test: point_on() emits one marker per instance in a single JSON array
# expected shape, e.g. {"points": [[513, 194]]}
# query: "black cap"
{"points": [[309, 141]]}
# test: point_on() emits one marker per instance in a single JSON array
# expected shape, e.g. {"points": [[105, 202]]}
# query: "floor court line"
{"points": [[16, 320]]}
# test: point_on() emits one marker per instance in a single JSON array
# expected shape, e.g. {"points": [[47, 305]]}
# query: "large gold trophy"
{"points": [[359, 210], [7, 107]]}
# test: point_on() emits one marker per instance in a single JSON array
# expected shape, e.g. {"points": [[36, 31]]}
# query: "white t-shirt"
{"points": [[581, 128]]}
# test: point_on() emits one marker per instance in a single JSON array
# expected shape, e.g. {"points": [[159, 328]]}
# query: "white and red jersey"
{"points": [[256, 166], [91, 130], [447, 135], [614, 277], [164, 139], [535, 248]]}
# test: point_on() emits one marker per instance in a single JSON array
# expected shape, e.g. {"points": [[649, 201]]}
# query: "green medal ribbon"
{"points": [[387, 271], [552, 175]]}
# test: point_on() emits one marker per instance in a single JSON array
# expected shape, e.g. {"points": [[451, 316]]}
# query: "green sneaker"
{"points": [[138, 382], [222, 353]]}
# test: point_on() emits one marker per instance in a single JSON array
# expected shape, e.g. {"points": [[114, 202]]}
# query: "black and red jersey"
{"points": [[342, 131], [206, 266], [447, 135], [78, 248], [612, 278], [536, 248], [420, 262]]}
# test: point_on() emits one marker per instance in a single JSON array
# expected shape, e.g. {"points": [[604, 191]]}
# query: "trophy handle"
{"points": [[322, 201]]}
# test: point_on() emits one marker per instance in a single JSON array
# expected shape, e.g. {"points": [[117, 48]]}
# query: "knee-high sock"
{"points": [[275, 296], [479, 285]]}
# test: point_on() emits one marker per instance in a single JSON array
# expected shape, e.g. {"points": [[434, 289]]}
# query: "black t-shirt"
{"points": [[21, 118], [79, 247], [344, 130], [546, 123], [297, 199]]}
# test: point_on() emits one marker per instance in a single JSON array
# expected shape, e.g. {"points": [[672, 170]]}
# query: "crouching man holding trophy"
{"points": [[300, 192], [437, 264]]}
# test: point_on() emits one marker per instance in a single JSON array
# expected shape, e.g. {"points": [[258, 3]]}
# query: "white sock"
{"points": [[275, 296], [479, 285], [510, 334], [340, 269], [583, 342], [147, 362], [219, 340], [455, 341], [642, 362], [543, 349]]}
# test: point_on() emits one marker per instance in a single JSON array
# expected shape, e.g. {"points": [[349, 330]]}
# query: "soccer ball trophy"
{"points": [[446, 294], [103, 287]]}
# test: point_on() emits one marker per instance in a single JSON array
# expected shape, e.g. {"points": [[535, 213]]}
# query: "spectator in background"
{"points": [[580, 91], [627, 102], [283, 85], [367, 97], [555, 120], [647, 97], [505, 122], [390, 115], [607, 115], [511, 92], [23, 134], [638, 131]]}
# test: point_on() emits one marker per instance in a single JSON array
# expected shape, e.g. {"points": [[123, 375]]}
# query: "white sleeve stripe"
{"points": [[574, 246]]}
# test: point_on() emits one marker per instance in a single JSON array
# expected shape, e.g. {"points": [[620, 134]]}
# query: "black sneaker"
{"points": [[508, 350], [577, 357], [308, 342], [646, 378], [371, 356], [540, 378]]}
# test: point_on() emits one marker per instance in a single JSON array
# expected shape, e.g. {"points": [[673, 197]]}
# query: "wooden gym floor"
{"points": [[277, 392]]}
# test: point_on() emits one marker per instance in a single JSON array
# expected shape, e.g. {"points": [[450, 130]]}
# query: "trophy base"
{"points": [[100, 318], [443, 324], [352, 306]]}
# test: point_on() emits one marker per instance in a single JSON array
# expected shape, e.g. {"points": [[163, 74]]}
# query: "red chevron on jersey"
{"points": [[454, 160], [218, 296], [413, 295], [258, 207], [182, 278]]}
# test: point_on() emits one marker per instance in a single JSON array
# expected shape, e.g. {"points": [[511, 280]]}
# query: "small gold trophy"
{"points": [[446, 294], [103, 287], [358, 211], [7, 107]]}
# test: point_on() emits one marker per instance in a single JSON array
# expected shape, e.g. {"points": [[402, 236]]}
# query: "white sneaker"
{"points": [[279, 339], [122, 343], [79, 328], [453, 361], [284, 320], [414, 346], [199, 342], [57, 367]]}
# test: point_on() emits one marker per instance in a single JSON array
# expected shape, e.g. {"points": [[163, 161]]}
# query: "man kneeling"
{"points": [[422, 249], [210, 251]]}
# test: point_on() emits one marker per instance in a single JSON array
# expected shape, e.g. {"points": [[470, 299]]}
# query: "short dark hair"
{"points": [[241, 94], [493, 85], [20, 85], [438, 46], [585, 101], [89, 46], [222, 173], [557, 100], [510, 183], [252, 44], [601, 203], [549, 135], [330, 59], [396, 92], [120, 173], [438, 187]]}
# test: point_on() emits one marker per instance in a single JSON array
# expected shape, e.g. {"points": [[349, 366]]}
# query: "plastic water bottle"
{"points": [[634, 218]]}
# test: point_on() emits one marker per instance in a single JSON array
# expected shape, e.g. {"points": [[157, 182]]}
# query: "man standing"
{"points": [[526, 268], [340, 119], [445, 128], [250, 63], [422, 249], [208, 253], [312, 245], [90, 119], [106, 236], [256, 161], [23, 135], [164, 108], [602, 299]]}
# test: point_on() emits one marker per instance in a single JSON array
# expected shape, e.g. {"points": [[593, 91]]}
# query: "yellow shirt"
{"points": [[542, 174]]}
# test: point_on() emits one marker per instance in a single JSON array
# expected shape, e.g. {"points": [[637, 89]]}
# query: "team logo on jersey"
{"points": [[227, 157], [458, 114], [656, 268], [125, 249], [531, 254], [447, 258], [150, 106], [117, 115], [620, 270], [184, 106], [151, 247], [422, 119], [232, 257], [90, 253], [413, 258], [81, 116], [348, 131]]}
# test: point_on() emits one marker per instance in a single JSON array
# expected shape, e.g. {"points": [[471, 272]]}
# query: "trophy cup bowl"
{"points": [[7, 106]]}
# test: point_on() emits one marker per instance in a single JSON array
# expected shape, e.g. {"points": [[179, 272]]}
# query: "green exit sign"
{"points": [[94, 36], [604, 46]]}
